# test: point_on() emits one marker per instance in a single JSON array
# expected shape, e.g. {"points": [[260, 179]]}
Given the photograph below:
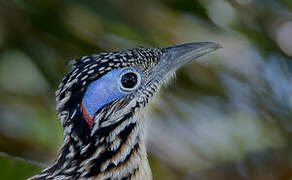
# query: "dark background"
{"points": [[225, 117]]}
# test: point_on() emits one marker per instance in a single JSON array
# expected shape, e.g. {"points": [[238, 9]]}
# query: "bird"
{"points": [[100, 105]]}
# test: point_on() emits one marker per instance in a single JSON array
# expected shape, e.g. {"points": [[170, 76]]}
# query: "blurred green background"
{"points": [[226, 117]]}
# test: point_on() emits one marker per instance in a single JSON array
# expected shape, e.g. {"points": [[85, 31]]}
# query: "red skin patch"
{"points": [[86, 116]]}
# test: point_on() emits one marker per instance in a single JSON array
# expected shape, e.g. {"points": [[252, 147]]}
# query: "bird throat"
{"points": [[119, 155]]}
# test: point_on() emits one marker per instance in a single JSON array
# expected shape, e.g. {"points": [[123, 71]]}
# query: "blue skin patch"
{"points": [[103, 91]]}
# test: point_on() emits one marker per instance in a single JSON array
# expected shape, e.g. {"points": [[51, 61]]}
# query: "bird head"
{"points": [[106, 91]]}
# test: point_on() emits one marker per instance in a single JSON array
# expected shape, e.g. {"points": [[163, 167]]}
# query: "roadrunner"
{"points": [[100, 105]]}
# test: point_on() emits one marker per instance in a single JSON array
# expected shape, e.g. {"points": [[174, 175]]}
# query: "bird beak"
{"points": [[176, 56]]}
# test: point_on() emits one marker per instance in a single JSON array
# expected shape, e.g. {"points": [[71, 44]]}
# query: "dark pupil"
{"points": [[129, 80]]}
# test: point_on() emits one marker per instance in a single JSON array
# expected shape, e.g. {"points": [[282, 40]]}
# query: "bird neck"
{"points": [[120, 154]]}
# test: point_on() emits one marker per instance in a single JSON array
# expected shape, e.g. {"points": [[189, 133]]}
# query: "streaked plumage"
{"points": [[100, 105]]}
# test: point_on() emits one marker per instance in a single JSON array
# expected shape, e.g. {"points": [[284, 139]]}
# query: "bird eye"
{"points": [[129, 81]]}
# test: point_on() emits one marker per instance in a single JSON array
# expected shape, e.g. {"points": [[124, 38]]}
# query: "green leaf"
{"points": [[14, 168]]}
